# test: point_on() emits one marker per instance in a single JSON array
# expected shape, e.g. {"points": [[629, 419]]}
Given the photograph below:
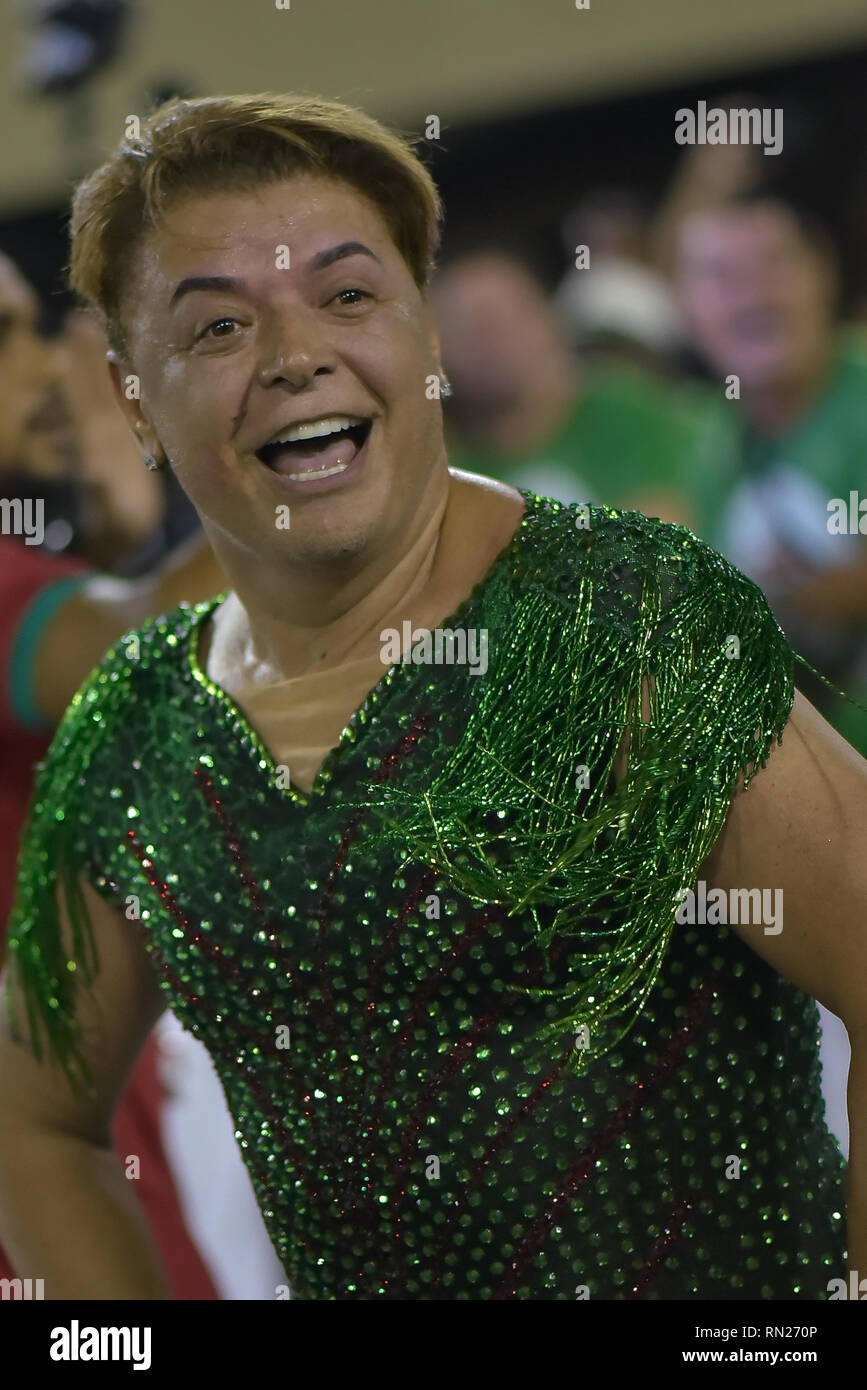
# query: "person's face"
{"points": [[757, 296], [496, 330], [295, 332], [35, 427]]}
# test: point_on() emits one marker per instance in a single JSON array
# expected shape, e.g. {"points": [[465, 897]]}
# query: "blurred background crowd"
{"points": [[625, 321]]}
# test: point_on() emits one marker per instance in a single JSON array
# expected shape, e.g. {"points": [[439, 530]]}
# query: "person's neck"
{"points": [[774, 408], [336, 614], [533, 415]]}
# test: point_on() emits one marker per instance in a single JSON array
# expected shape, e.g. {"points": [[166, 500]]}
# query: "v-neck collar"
{"points": [[401, 669]]}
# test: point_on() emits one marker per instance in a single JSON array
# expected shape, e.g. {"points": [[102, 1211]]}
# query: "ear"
{"points": [[127, 391]]}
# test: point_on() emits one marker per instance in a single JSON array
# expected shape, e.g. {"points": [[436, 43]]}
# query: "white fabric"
{"points": [[215, 1191]]}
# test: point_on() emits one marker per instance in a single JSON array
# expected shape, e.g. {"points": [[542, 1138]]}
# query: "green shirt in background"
{"points": [[626, 437], [827, 444], [824, 453]]}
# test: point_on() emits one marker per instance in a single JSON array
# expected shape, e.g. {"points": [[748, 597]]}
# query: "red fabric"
{"points": [[24, 571]]}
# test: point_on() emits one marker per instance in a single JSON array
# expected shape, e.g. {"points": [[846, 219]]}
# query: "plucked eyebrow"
{"points": [[226, 284], [337, 253], [223, 284]]}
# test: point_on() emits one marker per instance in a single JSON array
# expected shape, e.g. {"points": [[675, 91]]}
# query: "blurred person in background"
{"points": [[60, 426], [61, 433], [524, 410], [758, 282], [705, 177], [618, 308]]}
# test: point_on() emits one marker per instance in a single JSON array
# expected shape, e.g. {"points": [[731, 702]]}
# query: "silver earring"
{"points": [[151, 463], [445, 389]]}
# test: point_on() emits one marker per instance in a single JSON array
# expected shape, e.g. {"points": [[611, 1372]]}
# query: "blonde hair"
{"points": [[240, 143]]}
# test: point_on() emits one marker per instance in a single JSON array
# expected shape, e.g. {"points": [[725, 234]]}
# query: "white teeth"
{"points": [[316, 429], [318, 473]]}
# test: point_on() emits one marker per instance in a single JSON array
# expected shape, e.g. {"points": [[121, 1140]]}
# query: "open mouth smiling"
{"points": [[316, 448]]}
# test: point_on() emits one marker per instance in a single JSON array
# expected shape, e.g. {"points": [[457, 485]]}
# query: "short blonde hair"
{"points": [[241, 142]]}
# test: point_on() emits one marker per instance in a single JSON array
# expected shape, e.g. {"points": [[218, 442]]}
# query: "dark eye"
{"points": [[217, 323], [362, 294]]}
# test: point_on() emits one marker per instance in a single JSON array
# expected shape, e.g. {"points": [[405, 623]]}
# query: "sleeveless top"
{"points": [[469, 1052]]}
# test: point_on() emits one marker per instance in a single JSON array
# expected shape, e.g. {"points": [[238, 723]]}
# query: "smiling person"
{"points": [[758, 281], [425, 919]]}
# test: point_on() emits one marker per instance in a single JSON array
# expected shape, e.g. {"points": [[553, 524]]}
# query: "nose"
{"points": [[296, 353]]}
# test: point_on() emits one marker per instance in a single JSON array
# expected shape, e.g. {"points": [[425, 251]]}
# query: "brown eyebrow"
{"points": [[337, 253], [225, 284], [222, 283]]}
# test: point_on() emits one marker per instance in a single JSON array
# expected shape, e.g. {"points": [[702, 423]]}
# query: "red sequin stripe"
{"points": [[422, 723], [386, 951], [541, 1092], [211, 948], [228, 1054], [426, 991], [538, 1233], [257, 1039], [428, 988], [326, 1015], [233, 844], [661, 1246], [267, 1002], [452, 1064], [455, 1060]]}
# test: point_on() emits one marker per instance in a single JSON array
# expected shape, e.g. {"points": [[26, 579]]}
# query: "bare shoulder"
{"points": [[490, 511], [484, 487], [800, 830]]}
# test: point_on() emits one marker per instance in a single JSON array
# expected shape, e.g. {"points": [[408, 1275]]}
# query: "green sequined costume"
{"points": [[468, 1052]]}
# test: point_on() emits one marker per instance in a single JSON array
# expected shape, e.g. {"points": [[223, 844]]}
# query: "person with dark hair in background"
{"points": [[57, 619], [787, 434], [526, 410]]}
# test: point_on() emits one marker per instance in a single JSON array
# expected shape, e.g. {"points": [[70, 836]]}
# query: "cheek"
{"points": [[194, 411], [396, 355], [716, 316], [809, 301]]}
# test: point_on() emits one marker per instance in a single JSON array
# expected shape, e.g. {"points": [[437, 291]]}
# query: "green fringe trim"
{"points": [[502, 821], [49, 872]]}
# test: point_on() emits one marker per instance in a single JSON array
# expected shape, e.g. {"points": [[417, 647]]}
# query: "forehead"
{"points": [[237, 232], [709, 238], [485, 286]]}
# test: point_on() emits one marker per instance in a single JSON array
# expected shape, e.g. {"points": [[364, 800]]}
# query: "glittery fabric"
{"points": [[389, 974]]}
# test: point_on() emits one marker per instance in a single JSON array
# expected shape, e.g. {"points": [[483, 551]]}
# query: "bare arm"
{"points": [[801, 826], [83, 629], [68, 1214]]}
